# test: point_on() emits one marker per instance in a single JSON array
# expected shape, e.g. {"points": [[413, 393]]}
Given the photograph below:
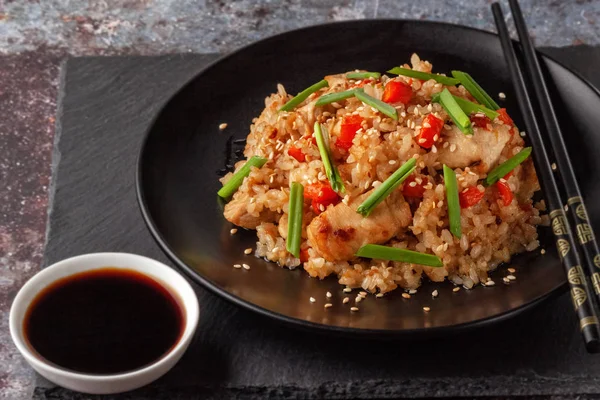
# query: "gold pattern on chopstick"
{"points": [[588, 321], [579, 297], [584, 233], [581, 213], [597, 260], [563, 247], [575, 199], [559, 225], [575, 275], [596, 282]]}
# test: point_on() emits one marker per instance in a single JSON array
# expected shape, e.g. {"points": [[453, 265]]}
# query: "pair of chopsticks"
{"points": [[584, 299]]}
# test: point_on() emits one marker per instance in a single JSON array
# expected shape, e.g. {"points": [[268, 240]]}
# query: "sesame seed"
{"points": [[353, 309], [406, 295], [435, 293], [446, 144], [452, 147], [275, 249], [436, 137], [248, 251], [566, 207], [346, 299], [246, 266], [511, 277], [412, 184], [422, 140], [433, 149], [358, 299], [362, 293], [312, 299], [490, 283], [542, 251], [553, 166], [328, 294], [502, 95], [426, 309], [347, 290], [523, 134], [237, 266], [233, 231], [379, 295], [222, 126], [506, 280], [456, 289], [321, 207], [327, 305], [426, 125], [511, 270], [412, 291]]}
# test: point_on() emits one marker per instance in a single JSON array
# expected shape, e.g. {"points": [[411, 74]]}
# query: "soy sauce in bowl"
{"points": [[104, 321]]}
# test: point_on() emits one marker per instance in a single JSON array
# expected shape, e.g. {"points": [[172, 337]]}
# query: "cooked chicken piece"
{"points": [[464, 150], [236, 212], [333, 81], [528, 183], [340, 231]]}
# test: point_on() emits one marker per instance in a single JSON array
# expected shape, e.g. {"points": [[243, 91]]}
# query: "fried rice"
{"points": [[492, 229]]}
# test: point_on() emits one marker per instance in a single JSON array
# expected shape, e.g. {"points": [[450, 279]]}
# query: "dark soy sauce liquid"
{"points": [[104, 321]]}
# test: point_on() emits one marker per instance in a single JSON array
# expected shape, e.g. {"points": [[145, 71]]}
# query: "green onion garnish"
{"points": [[330, 170], [387, 187], [294, 237], [453, 203], [476, 91], [424, 76], [300, 97], [363, 75], [402, 255], [468, 106], [501, 170], [333, 97], [455, 112], [377, 104], [236, 180]]}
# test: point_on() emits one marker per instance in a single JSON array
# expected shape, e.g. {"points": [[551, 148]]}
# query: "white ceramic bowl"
{"points": [[115, 383]]}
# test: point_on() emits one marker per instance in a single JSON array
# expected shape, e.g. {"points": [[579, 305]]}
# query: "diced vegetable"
{"points": [[330, 170], [401, 255], [363, 75], [321, 194], [507, 166], [468, 106], [476, 91], [470, 196], [504, 117], [397, 92], [430, 131], [377, 104], [425, 76], [387, 187], [238, 178], [294, 237], [505, 193], [455, 112], [481, 121], [350, 124], [333, 97], [304, 255], [412, 188], [297, 154], [300, 97], [453, 202]]}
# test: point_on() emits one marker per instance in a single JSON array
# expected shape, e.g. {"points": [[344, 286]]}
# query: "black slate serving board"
{"points": [[106, 105]]}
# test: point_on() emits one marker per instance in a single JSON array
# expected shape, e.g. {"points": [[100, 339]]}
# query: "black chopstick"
{"points": [[575, 204], [585, 306]]}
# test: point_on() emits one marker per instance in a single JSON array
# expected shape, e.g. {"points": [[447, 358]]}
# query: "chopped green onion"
{"points": [[363, 75], [453, 203], [236, 180], [468, 106], [424, 76], [332, 97], [300, 97], [330, 170], [455, 112], [387, 187], [377, 104], [476, 91], [402, 255], [295, 219], [501, 170]]}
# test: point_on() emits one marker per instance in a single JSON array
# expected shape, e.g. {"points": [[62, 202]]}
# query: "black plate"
{"points": [[184, 150]]}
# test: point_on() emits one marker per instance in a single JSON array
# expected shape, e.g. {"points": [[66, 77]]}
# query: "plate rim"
{"points": [[297, 322]]}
